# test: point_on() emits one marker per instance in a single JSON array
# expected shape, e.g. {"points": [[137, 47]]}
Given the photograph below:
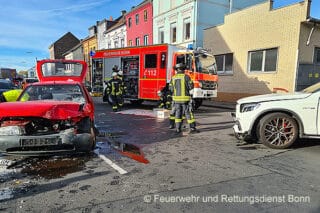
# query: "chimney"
{"points": [[123, 12], [110, 18], [271, 4]]}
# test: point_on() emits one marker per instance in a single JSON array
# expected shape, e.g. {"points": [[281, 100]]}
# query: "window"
{"points": [[173, 32], [161, 35], [316, 58], [150, 61], [130, 43], [122, 42], [263, 60], [186, 29], [137, 19], [145, 15], [163, 62], [116, 44], [109, 44], [224, 63], [145, 40], [137, 41], [129, 22]]}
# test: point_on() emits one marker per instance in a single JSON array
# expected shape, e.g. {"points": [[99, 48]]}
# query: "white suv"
{"points": [[277, 120]]}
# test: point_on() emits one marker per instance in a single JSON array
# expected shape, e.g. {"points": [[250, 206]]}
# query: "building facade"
{"points": [[139, 24], [116, 36], [182, 22], [273, 48], [89, 45], [76, 53], [62, 45], [102, 27]]}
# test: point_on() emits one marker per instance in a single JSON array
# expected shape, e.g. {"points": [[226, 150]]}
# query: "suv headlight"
{"points": [[249, 107], [12, 130]]}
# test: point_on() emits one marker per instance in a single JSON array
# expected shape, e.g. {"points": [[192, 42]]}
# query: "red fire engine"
{"points": [[148, 69]]}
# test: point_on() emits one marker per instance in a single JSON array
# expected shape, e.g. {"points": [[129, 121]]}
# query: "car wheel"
{"points": [[278, 130]]}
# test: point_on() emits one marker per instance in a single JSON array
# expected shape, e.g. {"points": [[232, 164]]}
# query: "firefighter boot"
{"points": [[178, 127], [172, 124], [192, 128]]}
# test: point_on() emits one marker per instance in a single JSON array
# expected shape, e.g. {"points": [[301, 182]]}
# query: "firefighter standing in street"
{"points": [[115, 90], [180, 86]]}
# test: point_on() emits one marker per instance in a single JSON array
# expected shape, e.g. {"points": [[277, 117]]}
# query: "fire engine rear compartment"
{"points": [[130, 67]]}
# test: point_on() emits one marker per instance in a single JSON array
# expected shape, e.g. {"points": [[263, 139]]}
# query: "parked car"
{"points": [[54, 115], [5, 85], [278, 120]]}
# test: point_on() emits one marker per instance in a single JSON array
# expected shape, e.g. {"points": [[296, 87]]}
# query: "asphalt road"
{"points": [[140, 165]]}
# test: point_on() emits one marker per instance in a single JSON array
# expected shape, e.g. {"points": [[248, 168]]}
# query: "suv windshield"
{"points": [[54, 92]]}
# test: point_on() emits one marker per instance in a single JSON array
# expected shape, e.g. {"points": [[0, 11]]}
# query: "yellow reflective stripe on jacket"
{"points": [[179, 85]]}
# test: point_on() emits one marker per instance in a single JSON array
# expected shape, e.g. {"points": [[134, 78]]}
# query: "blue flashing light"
{"points": [[190, 47]]}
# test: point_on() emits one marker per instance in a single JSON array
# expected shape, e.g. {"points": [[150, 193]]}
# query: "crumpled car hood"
{"points": [[46, 109], [273, 97]]}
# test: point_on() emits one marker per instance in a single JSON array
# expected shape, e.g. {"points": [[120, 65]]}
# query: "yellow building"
{"points": [[260, 48], [89, 44]]}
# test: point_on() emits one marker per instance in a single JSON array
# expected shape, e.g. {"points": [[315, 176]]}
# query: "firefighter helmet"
{"points": [[115, 68], [180, 67]]}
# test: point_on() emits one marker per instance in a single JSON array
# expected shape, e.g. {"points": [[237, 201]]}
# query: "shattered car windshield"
{"points": [[54, 92]]}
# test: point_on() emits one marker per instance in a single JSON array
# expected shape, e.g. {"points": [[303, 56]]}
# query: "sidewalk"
{"points": [[219, 104]]}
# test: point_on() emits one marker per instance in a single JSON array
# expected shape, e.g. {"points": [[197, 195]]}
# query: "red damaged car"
{"points": [[54, 115]]}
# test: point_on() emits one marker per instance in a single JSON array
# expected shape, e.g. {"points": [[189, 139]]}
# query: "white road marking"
{"points": [[113, 165]]}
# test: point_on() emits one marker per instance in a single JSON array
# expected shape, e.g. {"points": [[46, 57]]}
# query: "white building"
{"points": [[182, 22], [102, 27], [116, 35]]}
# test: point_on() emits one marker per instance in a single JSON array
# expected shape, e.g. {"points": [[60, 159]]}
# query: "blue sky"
{"points": [[28, 27]]}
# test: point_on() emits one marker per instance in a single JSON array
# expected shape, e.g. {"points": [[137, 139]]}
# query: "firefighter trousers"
{"points": [[116, 102], [184, 109]]}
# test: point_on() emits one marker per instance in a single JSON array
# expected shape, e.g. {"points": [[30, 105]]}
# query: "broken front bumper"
{"points": [[238, 130], [64, 141]]}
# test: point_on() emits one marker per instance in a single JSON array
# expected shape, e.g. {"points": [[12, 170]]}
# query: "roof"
{"points": [[134, 8], [68, 34]]}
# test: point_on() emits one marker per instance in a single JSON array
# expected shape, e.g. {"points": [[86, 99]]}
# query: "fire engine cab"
{"points": [[148, 69]]}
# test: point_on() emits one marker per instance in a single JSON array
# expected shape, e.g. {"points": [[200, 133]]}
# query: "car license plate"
{"points": [[40, 141]]}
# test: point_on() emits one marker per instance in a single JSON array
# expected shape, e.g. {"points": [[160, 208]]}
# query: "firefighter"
{"points": [[165, 98], [115, 90], [180, 86]]}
